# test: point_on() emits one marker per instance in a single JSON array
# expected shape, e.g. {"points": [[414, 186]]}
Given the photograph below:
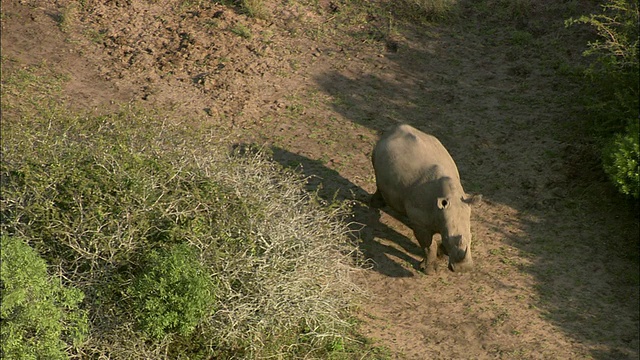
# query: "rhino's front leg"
{"points": [[430, 248]]}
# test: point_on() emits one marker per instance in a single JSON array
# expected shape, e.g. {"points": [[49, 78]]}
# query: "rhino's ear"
{"points": [[443, 203], [473, 199]]}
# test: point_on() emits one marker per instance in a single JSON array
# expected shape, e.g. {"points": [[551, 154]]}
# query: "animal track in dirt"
{"points": [[556, 261]]}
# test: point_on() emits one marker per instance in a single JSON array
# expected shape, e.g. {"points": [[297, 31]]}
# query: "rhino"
{"points": [[416, 176]]}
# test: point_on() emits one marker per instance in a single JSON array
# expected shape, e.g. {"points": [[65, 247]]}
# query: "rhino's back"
{"points": [[411, 153], [405, 156]]}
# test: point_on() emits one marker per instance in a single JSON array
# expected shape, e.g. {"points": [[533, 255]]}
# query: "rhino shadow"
{"points": [[365, 221]]}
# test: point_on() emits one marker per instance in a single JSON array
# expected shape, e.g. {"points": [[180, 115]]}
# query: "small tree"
{"points": [[611, 96]]}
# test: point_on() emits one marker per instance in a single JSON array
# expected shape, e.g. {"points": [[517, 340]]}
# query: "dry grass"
{"points": [[432, 9], [95, 194], [255, 8]]}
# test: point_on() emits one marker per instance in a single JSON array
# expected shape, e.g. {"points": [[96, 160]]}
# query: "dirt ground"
{"points": [[556, 251]]}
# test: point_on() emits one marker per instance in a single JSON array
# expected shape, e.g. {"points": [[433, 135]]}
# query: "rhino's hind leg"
{"points": [[376, 201], [430, 248]]}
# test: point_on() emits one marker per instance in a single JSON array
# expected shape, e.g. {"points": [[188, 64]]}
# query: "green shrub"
{"points": [[620, 160], [617, 29], [40, 317], [611, 91], [172, 293]]}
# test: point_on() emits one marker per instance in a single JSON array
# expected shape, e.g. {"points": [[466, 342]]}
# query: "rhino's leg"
{"points": [[376, 201], [430, 248], [442, 251]]}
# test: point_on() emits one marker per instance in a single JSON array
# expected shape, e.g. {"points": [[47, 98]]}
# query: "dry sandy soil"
{"points": [[556, 251]]}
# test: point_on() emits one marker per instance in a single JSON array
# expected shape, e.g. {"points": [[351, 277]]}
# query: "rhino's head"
{"points": [[455, 212]]}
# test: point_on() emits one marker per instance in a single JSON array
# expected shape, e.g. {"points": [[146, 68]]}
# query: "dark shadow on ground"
{"points": [[365, 223], [493, 114]]}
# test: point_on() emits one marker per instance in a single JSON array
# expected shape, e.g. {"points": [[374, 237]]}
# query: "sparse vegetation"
{"points": [[255, 8], [242, 31], [430, 9], [67, 17], [146, 222]]}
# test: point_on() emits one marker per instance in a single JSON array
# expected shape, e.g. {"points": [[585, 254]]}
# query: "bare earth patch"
{"points": [[556, 251]]}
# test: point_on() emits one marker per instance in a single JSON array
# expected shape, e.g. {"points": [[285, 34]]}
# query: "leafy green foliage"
{"points": [[621, 158], [612, 89], [172, 293], [617, 29], [40, 317]]}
